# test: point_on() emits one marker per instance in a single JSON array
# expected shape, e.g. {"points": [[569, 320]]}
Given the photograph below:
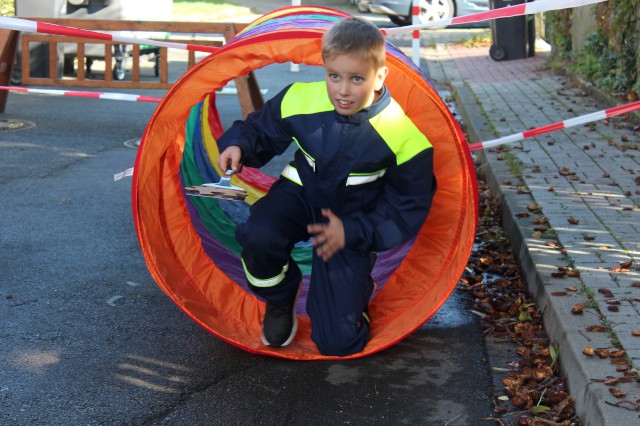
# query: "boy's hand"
{"points": [[230, 159], [328, 238]]}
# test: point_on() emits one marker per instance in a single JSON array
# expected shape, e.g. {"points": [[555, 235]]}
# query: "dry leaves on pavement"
{"points": [[536, 394]]}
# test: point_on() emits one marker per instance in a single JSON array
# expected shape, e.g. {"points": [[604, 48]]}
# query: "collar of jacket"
{"points": [[368, 112]]}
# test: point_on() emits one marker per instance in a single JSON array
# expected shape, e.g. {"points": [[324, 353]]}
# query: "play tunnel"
{"points": [[188, 242]]}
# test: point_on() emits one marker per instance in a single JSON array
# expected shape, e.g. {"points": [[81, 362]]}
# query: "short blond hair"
{"points": [[358, 37]]}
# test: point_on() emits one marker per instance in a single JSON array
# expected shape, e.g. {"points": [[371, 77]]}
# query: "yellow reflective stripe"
{"points": [[399, 133], [366, 317], [309, 157], [291, 173], [269, 282], [361, 178], [305, 98]]}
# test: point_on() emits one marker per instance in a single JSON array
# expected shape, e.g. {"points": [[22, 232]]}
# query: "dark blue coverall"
{"points": [[373, 169]]}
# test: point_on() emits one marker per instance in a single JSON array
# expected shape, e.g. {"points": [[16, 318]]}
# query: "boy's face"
{"points": [[352, 82]]}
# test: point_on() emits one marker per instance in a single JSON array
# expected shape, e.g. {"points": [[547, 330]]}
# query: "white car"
{"points": [[399, 11]]}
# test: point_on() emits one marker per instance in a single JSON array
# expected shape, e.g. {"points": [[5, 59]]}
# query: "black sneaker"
{"points": [[279, 325]]}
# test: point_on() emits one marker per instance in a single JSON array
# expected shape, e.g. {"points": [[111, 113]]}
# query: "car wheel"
{"points": [[119, 71], [362, 7], [400, 20], [435, 10]]}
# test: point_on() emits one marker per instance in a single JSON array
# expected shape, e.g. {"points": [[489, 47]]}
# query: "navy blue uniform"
{"points": [[373, 169]]}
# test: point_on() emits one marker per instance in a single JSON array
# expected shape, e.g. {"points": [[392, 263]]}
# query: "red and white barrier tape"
{"points": [[229, 90], [505, 12], [44, 28], [123, 174], [80, 94], [582, 119]]}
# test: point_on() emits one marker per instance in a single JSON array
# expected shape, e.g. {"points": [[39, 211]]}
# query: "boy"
{"points": [[361, 182]]}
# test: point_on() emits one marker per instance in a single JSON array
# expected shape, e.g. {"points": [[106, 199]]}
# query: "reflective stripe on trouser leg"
{"points": [[265, 282], [277, 221]]}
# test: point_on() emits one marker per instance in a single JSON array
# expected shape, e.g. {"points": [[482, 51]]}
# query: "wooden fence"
{"points": [[249, 94]]}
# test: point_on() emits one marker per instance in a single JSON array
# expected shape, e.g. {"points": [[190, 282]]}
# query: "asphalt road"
{"points": [[86, 336]]}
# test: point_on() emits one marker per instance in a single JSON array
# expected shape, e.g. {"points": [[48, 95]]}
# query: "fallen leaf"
{"points": [[617, 392], [577, 308], [618, 360], [602, 352], [626, 264], [537, 409], [573, 220], [605, 292], [588, 350], [635, 333], [617, 353], [559, 293], [597, 328], [621, 270]]}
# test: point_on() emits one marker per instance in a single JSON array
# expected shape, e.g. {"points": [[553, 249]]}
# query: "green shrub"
{"points": [[7, 8], [610, 56]]}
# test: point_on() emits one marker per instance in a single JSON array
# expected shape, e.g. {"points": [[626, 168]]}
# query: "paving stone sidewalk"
{"points": [[586, 182]]}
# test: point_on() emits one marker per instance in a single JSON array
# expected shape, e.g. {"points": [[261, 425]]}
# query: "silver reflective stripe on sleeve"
{"points": [[359, 179], [311, 162], [269, 282], [291, 173]]}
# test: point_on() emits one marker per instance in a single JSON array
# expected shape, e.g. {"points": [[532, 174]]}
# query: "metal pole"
{"points": [[295, 67], [415, 42]]}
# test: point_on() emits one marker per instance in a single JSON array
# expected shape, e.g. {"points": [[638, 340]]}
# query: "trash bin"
{"points": [[513, 38]]}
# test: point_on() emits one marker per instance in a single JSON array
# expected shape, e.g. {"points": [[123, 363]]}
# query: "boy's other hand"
{"points": [[328, 238], [229, 159]]}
